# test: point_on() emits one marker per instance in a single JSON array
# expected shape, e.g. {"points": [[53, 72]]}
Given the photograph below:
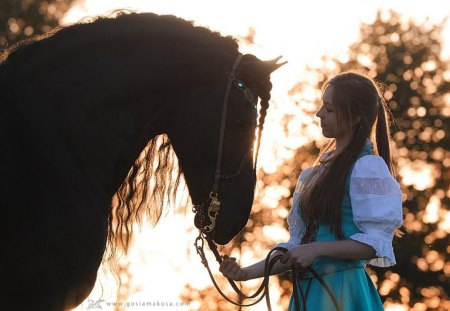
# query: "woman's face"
{"points": [[327, 114]]}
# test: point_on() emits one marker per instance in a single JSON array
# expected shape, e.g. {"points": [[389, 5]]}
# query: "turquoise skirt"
{"points": [[349, 282]]}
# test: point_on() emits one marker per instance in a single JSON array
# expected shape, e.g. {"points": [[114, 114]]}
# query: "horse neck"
{"points": [[146, 109], [138, 100], [110, 98]]}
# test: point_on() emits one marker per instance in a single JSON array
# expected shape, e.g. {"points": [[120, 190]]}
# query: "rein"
{"points": [[263, 289], [213, 211]]}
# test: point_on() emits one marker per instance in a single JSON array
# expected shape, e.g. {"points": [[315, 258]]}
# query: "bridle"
{"points": [[206, 223]]}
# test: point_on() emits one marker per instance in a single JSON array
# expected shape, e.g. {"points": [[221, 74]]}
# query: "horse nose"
{"points": [[238, 226]]}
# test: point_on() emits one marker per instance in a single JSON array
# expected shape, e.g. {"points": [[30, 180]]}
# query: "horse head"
{"points": [[215, 144]]}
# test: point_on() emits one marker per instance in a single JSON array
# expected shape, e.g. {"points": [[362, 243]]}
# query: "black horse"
{"points": [[81, 106]]}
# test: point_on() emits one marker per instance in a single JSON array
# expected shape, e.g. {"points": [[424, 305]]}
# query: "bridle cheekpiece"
{"points": [[206, 223]]}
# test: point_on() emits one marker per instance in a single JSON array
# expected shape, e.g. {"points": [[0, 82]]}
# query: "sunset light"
{"points": [[163, 259], [404, 45]]}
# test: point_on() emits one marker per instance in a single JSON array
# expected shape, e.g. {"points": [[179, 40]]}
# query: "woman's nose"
{"points": [[318, 113]]}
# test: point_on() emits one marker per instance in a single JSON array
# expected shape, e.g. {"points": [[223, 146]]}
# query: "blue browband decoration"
{"points": [[248, 94]]}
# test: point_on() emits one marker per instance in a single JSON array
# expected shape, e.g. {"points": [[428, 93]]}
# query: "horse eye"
{"points": [[248, 94], [239, 84]]}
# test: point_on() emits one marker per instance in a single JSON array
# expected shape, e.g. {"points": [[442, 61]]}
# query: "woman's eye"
{"points": [[328, 108]]}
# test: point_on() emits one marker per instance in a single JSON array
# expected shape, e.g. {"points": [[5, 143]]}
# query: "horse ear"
{"points": [[270, 66], [253, 68]]}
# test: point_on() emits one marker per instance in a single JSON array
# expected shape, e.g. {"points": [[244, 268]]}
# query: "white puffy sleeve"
{"points": [[377, 207], [295, 223]]}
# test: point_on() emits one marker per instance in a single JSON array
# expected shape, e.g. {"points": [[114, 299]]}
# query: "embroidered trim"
{"points": [[370, 185]]}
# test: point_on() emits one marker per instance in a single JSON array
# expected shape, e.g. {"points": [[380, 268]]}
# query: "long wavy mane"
{"points": [[150, 187]]}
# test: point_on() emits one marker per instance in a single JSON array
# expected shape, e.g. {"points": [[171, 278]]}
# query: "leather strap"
{"points": [[231, 78]]}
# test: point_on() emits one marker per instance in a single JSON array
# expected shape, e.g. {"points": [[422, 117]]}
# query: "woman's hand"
{"points": [[301, 256], [232, 270]]}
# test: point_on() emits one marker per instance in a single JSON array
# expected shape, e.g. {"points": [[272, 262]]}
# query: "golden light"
{"points": [[419, 174], [405, 295], [419, 306], [163, 259], [395, 307], [444, 225], [432, 210]]}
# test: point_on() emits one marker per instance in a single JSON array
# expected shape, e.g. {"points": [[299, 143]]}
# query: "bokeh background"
{"points": [[403, 44]]}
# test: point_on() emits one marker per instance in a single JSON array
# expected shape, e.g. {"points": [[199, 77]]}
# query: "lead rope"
{"points": [[264, 287]]}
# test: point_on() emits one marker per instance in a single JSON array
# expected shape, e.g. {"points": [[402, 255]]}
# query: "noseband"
{"points": [[213, 210]]}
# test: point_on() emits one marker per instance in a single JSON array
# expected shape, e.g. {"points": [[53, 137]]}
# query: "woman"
{"points": [[347, 207]]}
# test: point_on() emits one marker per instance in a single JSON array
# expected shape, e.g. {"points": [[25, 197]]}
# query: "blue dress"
{"points": [[371, 210]]}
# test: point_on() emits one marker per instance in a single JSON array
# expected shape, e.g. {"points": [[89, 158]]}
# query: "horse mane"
{"points": [[152, 183], [152, 26], [151, 186]]}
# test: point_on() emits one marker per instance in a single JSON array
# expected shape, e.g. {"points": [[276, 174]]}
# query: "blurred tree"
{"points": [[21, 19], [406, 57]]}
